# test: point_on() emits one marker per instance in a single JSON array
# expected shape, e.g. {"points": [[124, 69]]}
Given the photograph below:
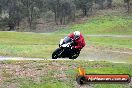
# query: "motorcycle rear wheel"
{"points": [[73, 56]]}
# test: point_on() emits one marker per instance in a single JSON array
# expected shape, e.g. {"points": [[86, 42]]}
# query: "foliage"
{"points": [[85, 6], [63, 9], [17, 11]]}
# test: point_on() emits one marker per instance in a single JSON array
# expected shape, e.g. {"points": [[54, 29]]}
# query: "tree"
{"points": [[128, 5], [62, 9], [100, 3], [53, 5], [12, 14], [85, 6], [67, 11], [32, 10], [109, 3]]}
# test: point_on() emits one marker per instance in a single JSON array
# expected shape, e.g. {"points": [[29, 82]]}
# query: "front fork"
{"points": [[60, 52]]}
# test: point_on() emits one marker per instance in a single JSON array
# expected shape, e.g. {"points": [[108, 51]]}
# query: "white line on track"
{"points": [[130, 53], [40, 59]]}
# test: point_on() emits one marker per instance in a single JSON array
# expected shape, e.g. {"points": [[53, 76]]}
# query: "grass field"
{"points": [[27, 44], [61, 74], [112, 42], [103, 25], [42, 45], [38, 74]]}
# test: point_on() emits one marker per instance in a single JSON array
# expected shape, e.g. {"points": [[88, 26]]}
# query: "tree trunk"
{"points": [[11, 22], [128, 6], [109, 3], [30, 18], [56, 17], [85, 12]]}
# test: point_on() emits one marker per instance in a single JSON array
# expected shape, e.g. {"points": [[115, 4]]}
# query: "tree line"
{"points": [[13, 12]]}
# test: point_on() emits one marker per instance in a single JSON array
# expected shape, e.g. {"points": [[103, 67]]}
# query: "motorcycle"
{"points": [[65, 49]]}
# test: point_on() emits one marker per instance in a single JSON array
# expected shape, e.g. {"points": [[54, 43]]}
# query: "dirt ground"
{"points": [[33, 70], [97, 53], [11, 72]]}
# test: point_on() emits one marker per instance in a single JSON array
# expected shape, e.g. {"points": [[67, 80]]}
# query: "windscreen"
{"points": [[67, 39]]}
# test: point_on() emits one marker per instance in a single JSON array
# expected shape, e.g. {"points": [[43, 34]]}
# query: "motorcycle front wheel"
{"points": [[56, 53]]}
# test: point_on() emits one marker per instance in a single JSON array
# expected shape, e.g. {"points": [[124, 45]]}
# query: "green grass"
{"points": [[103, 25], [108, 68], [48, 80], [28, 44], [111, 42], [104, 68], [19, 38], [42, 45], [36, 51], [47, 85]]}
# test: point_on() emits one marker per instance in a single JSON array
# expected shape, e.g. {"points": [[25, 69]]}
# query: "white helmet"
{"points": [[76, 35]]}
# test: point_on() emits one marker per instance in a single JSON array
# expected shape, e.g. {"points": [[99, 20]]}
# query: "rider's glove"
{"points": [[72, 47]]}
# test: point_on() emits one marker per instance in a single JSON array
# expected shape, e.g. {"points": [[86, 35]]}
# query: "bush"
{"points": [[3, 23]]}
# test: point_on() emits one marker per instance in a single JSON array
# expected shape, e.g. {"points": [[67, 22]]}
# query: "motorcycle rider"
{"points": [[79, 41]]}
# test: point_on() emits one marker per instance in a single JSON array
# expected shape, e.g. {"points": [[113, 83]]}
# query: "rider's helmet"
{"points": [[76, 35]]}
